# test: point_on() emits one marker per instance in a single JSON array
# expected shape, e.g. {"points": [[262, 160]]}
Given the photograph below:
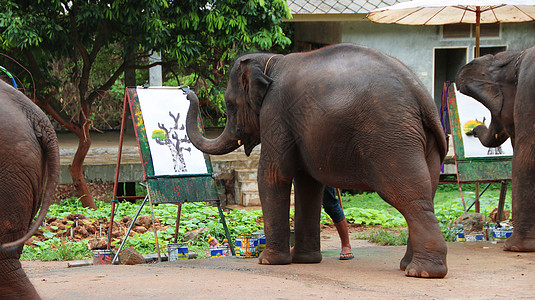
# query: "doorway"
{"points": [[447, 64], [448, 61]]}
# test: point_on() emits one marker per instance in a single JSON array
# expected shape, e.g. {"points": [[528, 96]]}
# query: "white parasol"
{"points": [[441, 12]]}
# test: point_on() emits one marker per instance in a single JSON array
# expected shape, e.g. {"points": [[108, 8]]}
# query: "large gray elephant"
{"points": [[345, 116], [505, 84], [29, 172]]}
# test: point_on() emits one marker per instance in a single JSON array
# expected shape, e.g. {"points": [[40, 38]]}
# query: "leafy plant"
{"points": [[366, 209], [56, 249], [386, 237]]}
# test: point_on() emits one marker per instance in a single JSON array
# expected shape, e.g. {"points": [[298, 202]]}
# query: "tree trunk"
{"points": [[76, 169]]}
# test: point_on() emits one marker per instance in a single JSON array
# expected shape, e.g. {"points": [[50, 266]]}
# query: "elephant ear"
{"points": [[477, 79], [254, 82]]}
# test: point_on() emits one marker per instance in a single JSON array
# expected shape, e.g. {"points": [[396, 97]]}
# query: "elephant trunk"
{"points": [[49, 144], [223, 144], [491, 137]]}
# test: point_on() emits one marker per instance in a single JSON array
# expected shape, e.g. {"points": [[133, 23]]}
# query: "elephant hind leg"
{"points": [[14, 284], [308, 201], [407, 258], [426, 249]]}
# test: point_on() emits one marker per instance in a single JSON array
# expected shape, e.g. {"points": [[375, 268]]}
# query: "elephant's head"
{"points": [[491, 80], [245, 92]]}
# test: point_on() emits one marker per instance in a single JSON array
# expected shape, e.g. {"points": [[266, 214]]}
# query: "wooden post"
{"points": [[501, 202], [477, 198], [154, 227], [339, 197]]}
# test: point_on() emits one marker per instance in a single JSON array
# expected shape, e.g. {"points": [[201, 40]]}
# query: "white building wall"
{"points": [[415, 45]]}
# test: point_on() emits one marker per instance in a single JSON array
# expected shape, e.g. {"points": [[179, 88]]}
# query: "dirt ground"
{"points": [[477, 270]]}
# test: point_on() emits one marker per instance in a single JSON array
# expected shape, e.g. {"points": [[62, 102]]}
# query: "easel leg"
{"points": [[501, 203], [177, 221], [154, 227], [129, 229], [227, 233], [116, 182], [477, 198]]}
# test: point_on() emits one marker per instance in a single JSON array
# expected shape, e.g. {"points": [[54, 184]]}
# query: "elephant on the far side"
{"points": [[505, 84], [29, 173]]}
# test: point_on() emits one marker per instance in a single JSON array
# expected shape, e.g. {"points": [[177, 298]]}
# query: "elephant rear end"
{"points": [[367, 106], [29, 172]]}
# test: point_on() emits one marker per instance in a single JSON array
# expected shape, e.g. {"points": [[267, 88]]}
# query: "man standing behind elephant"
{"points": [[332, 207]]}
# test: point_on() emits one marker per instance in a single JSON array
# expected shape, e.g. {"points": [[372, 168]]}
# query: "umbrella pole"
{"points": [[478, 28]]}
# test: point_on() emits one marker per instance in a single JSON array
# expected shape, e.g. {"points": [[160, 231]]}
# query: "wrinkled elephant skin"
{"points": [[346, 116], [29, 172], [505, 84]]}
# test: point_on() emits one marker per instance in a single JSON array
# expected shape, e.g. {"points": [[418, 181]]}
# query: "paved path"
{"points": [[477, 270]]}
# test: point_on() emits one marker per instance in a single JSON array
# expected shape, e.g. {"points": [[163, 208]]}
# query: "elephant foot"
{"points": [[405, 261], [268, 257], [306, 257], [518, 243], [426, 269]]}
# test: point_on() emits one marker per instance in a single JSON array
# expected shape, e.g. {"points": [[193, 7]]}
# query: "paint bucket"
{"points": [[261, 237], [218, 251], [102, 257], [177, 251], [501, 234], [246, 246]]}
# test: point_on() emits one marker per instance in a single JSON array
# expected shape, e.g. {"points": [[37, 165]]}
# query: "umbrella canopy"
{"points": [[441, 12]]}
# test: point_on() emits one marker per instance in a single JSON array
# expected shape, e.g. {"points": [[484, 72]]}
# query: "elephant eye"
{"points": [[231, 106]]}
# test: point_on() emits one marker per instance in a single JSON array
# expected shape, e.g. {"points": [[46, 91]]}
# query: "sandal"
{"points": [[346, 256]]}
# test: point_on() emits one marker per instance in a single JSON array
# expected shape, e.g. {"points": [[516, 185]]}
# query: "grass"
{"points": [[448, 207], [386, 237], [367, 209]]}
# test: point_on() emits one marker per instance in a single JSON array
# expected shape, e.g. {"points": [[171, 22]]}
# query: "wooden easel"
{"points": [[164, 189], [475, 169]]}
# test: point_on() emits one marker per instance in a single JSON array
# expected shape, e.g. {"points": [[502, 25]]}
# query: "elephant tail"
{"points": [[50, 147], [433, 123]]}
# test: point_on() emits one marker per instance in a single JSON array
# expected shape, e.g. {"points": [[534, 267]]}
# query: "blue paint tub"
{"points": [[177, 251]]}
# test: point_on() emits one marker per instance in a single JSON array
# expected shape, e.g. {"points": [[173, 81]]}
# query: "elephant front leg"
{"points": [[523, 188], [275, 200], [308, 199]]}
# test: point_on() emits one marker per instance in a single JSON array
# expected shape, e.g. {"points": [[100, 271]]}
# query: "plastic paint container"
{"points": [[261, 237], [501, 234], [218, 251], [246, 246], [102, 257], [177, 251]]}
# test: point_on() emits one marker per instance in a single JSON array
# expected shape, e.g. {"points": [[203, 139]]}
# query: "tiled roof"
{"points": [[337, 6]]}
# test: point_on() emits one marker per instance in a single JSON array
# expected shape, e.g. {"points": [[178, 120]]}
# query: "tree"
{"points": [[194, 36]]}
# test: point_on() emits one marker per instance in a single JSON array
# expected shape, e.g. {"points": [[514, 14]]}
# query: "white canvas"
{"points": [[164, 111], [470, 110]]}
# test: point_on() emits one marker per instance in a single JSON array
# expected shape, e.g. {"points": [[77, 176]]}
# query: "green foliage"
{"points": [[386, 237], [96, 41], [370, 216], [56, 249], [367, 209]]}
